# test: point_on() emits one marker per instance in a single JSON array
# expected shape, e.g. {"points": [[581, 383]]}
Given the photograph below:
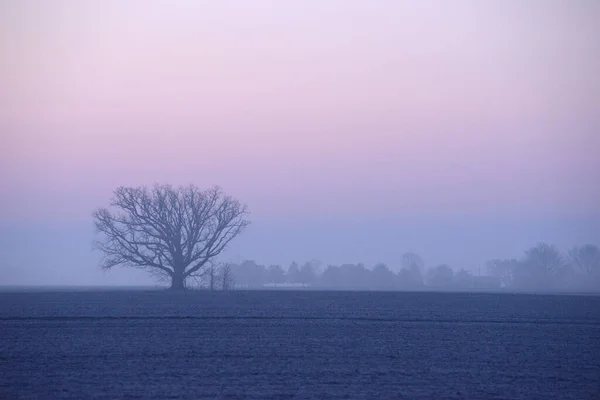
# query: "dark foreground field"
{"points": [[298, 344]]}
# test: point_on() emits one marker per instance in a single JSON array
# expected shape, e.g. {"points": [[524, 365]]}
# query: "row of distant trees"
{"points": [[178, 233], [542, 267]]}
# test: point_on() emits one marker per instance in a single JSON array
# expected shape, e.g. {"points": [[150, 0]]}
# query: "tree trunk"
{"points": [[177, 281]]}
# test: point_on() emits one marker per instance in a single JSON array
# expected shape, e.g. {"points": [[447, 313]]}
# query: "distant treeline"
{"points": [[542, 268]]}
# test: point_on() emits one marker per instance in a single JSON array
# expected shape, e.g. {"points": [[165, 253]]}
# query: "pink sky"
{"points": [[303, 108]]}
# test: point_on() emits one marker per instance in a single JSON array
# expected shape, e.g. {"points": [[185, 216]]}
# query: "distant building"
{"points": [[286, 285]]}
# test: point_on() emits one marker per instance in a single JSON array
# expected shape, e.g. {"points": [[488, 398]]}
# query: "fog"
{"points": [[300, 199], [61, 254], [354, 132]]}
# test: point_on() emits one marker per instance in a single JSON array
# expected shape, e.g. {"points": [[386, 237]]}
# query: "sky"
{"points": [[353, 130]]}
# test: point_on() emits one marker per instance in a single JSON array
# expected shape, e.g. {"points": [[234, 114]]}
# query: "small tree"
{"points": [[307, 274], [212, 274], [227, 278], [503, 269], [440, 276], [412, 270], [383, 277], [293, 273], [413, 261], [586, 258], [540, 267], [172, 232], [275, 274]]}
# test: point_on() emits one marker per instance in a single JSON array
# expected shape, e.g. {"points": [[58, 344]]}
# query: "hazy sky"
{"points": [[354, 130]]}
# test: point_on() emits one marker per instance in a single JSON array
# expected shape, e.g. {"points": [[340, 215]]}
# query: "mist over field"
{"points": [[300, 199], [354, 132]]}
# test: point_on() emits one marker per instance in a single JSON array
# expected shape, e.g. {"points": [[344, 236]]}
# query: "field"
{"points": [[279, 344]]}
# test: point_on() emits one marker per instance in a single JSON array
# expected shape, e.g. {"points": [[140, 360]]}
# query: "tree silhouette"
{"points": [[275, 274], [383, 277], [412, 260], [227, 278], [503, 269], [586, 258], [440, 276], [307, 274], [293, 273], [540, 267], [412, 271], [173, 232]]}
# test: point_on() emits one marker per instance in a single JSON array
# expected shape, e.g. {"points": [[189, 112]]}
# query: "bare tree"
{"points": [[412, 270], [413, 261], [226, 277], [545, 258], [540, 268], [211, 274], [586, 258], [440, 276], [503, 269], [275, 274], [202, 277], [173, 232]]}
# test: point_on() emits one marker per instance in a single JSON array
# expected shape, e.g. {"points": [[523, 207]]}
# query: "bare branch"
{"points": [[174, 232], [586, 258]]}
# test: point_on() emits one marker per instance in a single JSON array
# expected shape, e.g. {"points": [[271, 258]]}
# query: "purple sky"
{"points": [[317, 114]]}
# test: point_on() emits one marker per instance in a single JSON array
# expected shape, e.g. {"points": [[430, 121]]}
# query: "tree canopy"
{"points": [[174, 232]]}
